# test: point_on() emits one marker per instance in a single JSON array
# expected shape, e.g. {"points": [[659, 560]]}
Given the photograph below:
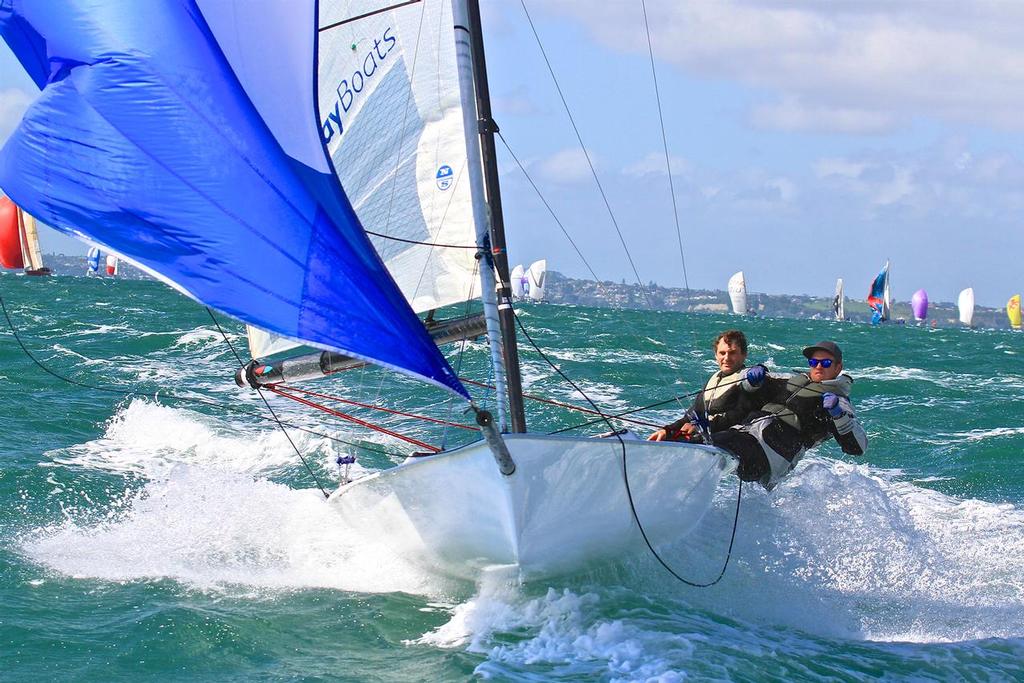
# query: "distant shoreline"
{"points": [[561, 289]]}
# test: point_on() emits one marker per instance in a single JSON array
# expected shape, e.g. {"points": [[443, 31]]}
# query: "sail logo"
{"points": [[350, 88], [445, 177]]}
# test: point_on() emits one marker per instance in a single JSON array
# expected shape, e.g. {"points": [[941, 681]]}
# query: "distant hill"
{"points": [[566, 290]]}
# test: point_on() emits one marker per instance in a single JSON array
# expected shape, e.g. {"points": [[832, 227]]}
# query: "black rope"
{"points": [[625, 478], [157, 396], [425, 244], [241, 363]]}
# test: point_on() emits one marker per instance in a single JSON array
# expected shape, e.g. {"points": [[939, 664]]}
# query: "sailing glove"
{"points": [[755, 375], [830, 402]]}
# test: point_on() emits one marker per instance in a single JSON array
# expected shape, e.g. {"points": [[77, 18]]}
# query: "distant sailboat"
{"points": [[1013, 311], [965, 302], [839, 302], [878, 298], [92, 261], [738, 293], [537, 276], [919, 304], [112, 262], [518, 282], [19, 240]]}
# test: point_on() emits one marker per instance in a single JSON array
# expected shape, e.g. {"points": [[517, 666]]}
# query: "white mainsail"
{"points": [[392, 118], [537, 276], [738, 293], [31, 253], [839, 303], [965, 302], [518, 277]]}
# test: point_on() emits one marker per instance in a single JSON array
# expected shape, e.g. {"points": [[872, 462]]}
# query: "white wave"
{"points": [[214, 530], [203, 336], [150, 439], [563, 630], [843, 550]]}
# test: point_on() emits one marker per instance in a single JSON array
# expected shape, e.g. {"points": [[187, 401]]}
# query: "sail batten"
{"points": [[187, 151]]}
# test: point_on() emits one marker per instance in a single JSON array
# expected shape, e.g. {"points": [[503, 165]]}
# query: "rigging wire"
{"points": [[668, 163], [586, 154], [268, 407]]}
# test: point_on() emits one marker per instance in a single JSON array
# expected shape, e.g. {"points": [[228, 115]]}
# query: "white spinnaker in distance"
{"points": [[388, 94], [965, 302], [738, 293], [537, 276], [516, 278], [839, 303]]}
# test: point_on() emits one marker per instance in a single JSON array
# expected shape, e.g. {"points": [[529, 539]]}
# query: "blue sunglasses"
{"points": [[815, 362]]}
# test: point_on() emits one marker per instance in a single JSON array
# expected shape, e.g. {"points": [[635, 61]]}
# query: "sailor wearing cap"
{"points": [[797, 413]]}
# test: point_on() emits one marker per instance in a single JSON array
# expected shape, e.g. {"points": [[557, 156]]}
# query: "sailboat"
{"points": [[19, 240], [112, 262], [536, 275], [965, 304], [738, 293], [839, 301], [1013, 311], [879, 298], [518, 282], [274, 240], [92, 261], [919, 305]]}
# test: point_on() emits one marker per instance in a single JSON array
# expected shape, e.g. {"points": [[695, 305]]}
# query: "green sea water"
{"points": [[155, 525]]}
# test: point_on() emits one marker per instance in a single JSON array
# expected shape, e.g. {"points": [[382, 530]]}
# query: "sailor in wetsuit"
{"points": [[722, 404], [796, 413]]}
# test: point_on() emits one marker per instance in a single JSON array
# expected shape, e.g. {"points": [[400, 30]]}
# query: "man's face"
{"points": [[729, 357], [821, 373]]}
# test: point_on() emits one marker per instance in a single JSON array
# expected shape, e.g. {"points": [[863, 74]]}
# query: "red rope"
{"points": [[351, 418], [569, 406], [328, 397]]}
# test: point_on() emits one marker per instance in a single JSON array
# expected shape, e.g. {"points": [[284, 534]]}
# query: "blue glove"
{"points": [[830, 402], [756, 375]]}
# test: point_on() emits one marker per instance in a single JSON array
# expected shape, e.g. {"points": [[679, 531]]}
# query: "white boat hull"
{"points": [[565, 508]]}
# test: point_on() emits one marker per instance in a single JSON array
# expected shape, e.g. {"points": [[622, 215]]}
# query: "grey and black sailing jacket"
{"points": [[791, 420]]}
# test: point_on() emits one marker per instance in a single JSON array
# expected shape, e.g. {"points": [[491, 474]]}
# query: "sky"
{"points": [[806, 141]]}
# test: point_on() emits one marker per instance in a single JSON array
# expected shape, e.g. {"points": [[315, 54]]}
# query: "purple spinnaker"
{"points": [[919, 304]]}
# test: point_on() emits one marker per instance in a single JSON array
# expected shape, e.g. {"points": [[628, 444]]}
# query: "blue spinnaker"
{"points": [[876, 297], [184, 136]]}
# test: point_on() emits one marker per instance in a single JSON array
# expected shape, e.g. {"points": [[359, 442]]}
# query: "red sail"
{"points": [[10, 235]]}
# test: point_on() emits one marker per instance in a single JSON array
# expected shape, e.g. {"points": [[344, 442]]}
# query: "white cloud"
{"points": [[793, 115], [13, 103], [654, 164], [566, 166], [838, 66]]}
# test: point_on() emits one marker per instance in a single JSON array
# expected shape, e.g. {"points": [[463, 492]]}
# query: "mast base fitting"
{"points": [[506, 465]]}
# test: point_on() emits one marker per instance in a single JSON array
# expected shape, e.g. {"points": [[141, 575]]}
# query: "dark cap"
{"points": [[828, 346]]}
